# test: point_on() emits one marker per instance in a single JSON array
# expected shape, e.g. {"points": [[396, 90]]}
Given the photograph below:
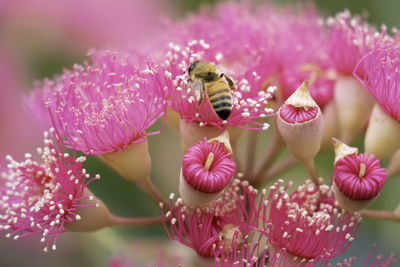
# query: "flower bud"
{"points": [[330, 125], [207, 168], [358, 179], [394, 165], [353, 106], [134, 164], [300, 123], [383, 134]]}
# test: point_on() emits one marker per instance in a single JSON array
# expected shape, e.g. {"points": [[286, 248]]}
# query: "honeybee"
{"points": [[204, 76]]}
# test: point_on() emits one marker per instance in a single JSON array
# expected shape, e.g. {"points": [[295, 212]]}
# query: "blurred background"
{"points": [[38, 38]]}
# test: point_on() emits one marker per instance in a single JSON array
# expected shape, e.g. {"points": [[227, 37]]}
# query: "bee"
{"points": [[204, 77]]}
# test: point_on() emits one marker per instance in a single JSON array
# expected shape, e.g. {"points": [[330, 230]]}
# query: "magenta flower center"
{"points": [[359, 177], [292, 114], [208, 167]]}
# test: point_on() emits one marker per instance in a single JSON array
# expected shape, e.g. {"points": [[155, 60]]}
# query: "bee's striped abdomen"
{"points": [[220, 98]]}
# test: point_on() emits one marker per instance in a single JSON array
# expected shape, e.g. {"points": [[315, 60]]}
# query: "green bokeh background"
{"points": [[125, 199]]}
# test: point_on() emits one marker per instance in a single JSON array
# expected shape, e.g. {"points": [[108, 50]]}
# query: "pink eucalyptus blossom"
{"points": [[248, 103], [41, 197], [306, 226], [106, 106], [349, 38], [382, 77], [200, 228]]}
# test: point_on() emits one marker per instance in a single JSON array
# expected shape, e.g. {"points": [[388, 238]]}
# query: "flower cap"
{"points": [[41, 197], [300, 106], [208, 167], [359, 177], [106, 106]]}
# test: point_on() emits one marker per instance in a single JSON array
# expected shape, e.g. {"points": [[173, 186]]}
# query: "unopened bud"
{"points": [[383, 134], [358, 179], [300, 123], [207, 168], [353, 106]]}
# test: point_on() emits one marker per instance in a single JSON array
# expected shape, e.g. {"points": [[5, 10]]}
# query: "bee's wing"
{"points": [[198, 88]]}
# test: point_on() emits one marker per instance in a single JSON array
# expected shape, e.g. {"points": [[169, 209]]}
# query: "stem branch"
{"points": [[381, 214]]}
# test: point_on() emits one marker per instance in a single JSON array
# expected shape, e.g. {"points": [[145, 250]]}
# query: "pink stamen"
{"points": [[293, 114]]}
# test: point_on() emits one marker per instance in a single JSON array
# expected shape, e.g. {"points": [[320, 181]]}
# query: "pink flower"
{"points": [[359, 177], [382, 77], [349, 38], [248, 103], [204, 176], [120, 262], [14, 118], [40, 197], [306, 226], [300, 53], [89, 23], [104, 107], [202, 229]]}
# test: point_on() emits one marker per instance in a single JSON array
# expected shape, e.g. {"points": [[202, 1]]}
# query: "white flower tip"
{"points": [[301, 97], [341, 149], [224, 139], [54, 247], [78, 217]]}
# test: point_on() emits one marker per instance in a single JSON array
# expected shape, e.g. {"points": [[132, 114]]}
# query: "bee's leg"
{"points": [[229, 80], [200, 99], [189, 81]]}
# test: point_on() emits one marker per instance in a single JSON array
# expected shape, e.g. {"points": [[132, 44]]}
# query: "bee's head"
{"points": [[191, 67]]}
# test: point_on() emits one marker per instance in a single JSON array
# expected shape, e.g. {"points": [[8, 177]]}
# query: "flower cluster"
{"points": [[249, 61]]}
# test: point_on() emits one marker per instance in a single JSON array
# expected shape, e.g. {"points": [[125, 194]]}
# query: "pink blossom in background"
{"points": [[348, 39], [18, 132], [90, 22], [382, 77]]}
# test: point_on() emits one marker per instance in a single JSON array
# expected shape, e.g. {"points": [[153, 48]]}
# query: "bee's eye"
{"points": [[191, 68]]}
